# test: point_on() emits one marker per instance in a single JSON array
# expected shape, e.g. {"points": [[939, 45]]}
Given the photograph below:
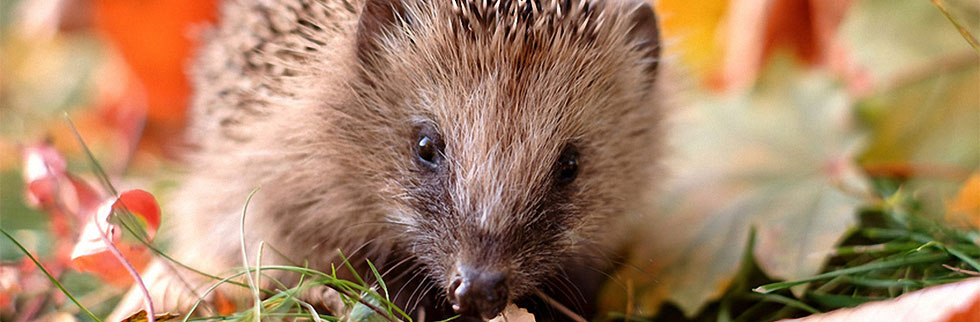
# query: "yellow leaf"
{"points": [[966, 206], [691, 29]]}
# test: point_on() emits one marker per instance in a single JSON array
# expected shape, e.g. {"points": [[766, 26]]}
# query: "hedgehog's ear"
{"points": [[377, 17], [646, 33]]}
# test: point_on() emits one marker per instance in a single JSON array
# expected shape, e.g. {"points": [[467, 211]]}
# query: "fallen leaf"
{"points": [[513, 313], [141, 317], [966, 206], [57, 317], [62, 196], [927, 125], [888, 37], [50, 186], [955, 302], [778, 160], [754, 31], [92, 255], [10, 280], [691, 30], [223, 305], [160, 64]]}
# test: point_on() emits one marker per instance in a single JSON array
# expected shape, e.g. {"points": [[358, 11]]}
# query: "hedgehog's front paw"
{"points": [[169, 291], [324, 297]]}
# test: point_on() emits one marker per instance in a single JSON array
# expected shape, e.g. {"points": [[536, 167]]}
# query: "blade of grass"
{"points": [[258, 261], [328, 280], [839, 301], [163, 254], [351, 268], [50, 277], [251, 282], [200, 299], [776, 298], [99, 172], [368, 290], [876, 248], [884, 283], [316, 316], [381, 283], [278, 315], [906, 260], [955, 252]]}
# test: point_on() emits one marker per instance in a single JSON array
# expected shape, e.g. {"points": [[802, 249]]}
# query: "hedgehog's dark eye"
{"points": [[428, 147], [567, 168]]}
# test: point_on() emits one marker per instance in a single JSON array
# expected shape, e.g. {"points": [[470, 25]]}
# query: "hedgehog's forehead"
{"points": [[519, 64], [510, 19], [512, 52]]}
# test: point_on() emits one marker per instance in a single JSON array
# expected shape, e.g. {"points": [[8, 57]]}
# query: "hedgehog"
{"points": [[477, 152]]}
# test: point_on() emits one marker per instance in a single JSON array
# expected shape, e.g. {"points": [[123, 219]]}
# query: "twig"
{"points": [[965, 33], [960, 270], [561, 308]]}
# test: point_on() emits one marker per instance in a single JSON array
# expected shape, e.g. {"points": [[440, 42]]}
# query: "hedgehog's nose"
{"points": [[478, 293]]}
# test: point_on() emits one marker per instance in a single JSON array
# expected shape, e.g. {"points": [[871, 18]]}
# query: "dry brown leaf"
{"points": [[512, 313], [141, 317]]}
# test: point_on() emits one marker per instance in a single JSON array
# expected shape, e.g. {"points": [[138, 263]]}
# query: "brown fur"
{"points": [[319, 106]]}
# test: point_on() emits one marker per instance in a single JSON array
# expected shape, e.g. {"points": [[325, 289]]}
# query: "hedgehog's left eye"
{"points": [[567, 167], [428, 147]]}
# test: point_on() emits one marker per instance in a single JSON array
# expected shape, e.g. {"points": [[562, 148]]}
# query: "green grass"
{"points": [[898, 248]]}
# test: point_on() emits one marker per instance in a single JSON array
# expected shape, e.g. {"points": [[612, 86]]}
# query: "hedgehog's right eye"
{"points": [[567, 167], [428, 147]]}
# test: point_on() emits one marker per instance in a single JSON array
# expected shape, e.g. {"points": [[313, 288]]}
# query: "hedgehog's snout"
{"points": [[478, 293]]}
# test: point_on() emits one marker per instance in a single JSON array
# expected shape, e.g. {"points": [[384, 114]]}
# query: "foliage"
{"points": [[838, 176]]}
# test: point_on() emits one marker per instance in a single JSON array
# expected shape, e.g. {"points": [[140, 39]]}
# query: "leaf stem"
{"points": [[148, 301]]}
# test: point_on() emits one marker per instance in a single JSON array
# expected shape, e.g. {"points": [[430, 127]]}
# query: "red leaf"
{"points": [[143, 205], [43, 166], [91, 254], [223, 304], [50, 187], [158, 65], [10, 286]]}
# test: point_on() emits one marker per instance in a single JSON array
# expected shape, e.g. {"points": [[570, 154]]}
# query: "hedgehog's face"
{"points": [[517, 133]]}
